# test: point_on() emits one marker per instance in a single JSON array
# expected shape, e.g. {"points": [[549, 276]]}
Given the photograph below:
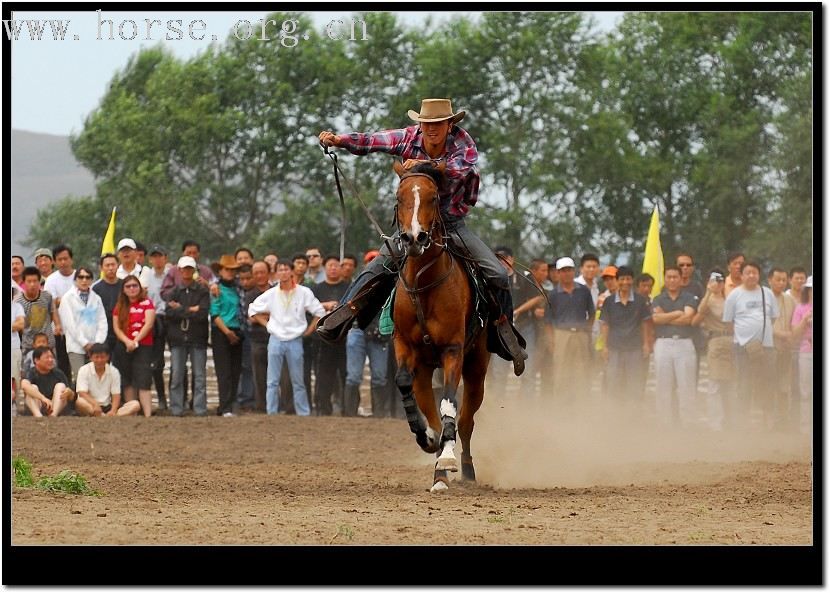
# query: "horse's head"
{"points": [[417, 209]]}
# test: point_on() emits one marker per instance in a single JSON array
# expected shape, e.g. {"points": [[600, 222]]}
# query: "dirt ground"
{"points": [[544, 478]]}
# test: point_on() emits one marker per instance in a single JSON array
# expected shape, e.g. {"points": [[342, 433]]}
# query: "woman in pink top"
{"points": [[802, 324], [132, 322]]}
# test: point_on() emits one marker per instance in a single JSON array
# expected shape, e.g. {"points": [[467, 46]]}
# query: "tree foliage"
{"points": [[707, 116]]}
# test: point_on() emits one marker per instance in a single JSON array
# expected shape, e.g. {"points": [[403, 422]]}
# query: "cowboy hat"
{"points": [[433, 110], [228, 261]]}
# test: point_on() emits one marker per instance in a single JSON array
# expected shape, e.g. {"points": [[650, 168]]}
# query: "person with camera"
{"points": [[751, 310], [718, 336]]}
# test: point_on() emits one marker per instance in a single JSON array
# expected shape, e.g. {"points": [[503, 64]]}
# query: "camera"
{"points": [[716, 277]]}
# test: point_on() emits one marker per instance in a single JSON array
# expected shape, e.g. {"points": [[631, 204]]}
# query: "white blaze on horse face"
{"points": [[416, 226], [447, 408]]}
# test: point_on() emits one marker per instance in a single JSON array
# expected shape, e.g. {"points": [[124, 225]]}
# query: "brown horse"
{"points": [[434, 306]]}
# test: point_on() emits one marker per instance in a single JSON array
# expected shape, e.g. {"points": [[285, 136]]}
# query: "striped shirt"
{"points": [[459, 192]]}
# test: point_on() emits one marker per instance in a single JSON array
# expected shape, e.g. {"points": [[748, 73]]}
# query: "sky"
{"points": [[56, 83]]}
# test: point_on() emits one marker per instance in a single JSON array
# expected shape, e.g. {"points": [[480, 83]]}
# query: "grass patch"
{"points": [[66, 481]]}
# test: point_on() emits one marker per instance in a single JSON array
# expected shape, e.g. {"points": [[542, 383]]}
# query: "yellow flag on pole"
{"points": [[108, 245], [653, 260]]}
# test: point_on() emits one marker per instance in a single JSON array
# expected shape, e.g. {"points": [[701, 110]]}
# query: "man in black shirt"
{"points": [[330, 359], [108, 288], [47, 388]]}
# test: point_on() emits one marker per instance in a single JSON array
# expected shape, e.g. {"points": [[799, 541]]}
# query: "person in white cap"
{"points": [[436, 138], [129, 264], [571, 313]]}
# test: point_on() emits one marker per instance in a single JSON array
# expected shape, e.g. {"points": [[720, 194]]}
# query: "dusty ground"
{"points": [[543, 479]]}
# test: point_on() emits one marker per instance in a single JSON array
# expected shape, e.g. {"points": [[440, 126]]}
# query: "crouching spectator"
{"points": [[99, 387], [46, 387]]}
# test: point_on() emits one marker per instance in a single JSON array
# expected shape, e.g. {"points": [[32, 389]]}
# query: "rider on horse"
{"points": [[436, 138]]}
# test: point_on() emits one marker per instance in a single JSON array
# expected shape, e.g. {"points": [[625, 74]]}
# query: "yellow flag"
{"points": [[653, 260], [108, 246]]}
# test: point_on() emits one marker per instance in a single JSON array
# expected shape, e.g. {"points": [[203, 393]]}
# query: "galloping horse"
{"points": [[433, 309]]}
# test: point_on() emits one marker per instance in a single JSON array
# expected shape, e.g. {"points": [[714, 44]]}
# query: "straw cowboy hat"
{"points": [[227, 261], [436, 110]]}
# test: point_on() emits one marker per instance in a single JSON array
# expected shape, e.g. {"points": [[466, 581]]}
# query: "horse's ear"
{"points": [[398, 167]]}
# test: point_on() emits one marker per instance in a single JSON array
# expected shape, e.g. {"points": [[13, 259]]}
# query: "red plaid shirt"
{"points": [[459, 192]]}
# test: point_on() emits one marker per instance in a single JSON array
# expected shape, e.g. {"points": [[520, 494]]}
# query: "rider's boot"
{"points": [[510, 338], [361, 303]]}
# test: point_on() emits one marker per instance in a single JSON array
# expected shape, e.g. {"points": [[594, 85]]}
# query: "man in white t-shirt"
{"points": [[58, 284], [282, 310], [99, 387], [127, 255], [751, 310]]}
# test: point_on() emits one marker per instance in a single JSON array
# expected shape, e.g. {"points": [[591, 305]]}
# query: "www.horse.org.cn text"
{"points": [[113, 29]]}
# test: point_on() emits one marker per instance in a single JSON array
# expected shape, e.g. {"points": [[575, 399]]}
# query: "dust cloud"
{"points": [[523, 441]]}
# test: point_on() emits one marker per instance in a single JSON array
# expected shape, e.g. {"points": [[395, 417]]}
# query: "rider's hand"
{"points": [[409, 163], [329, 138]]}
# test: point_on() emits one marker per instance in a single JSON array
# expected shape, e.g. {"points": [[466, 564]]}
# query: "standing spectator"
{"points": [[361, 343], [257, 335], [57, 284], [84, 320], [44, 262], [571, 314], [244, 256], [39, 307], [736, 261], [626, 328], [18, 316], [686, 265], [330, 360], [109, 288], [499, 368], [140, 254], [674, 352], [609, 280], [271, 259], [187, 314], [17, 270], [798, 276], [782, 338], [528, 317], [282, 311], [226, 336], [720, 404], [553, 277], [99, 387], [133, 319], [158, 259], [348, 265], [192, 249], [645, 284], [245, 392], [315, 273], [128, 255], [751, 310], [47, 389], [588, 268], [300, 263], [802, 324]]}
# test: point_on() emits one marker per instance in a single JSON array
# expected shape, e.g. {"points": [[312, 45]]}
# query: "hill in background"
{"points": [[43, 170]]}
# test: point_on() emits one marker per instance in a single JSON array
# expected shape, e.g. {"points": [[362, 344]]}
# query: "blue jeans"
{"points": [[178, 366], [292, 352], [357, 347]]}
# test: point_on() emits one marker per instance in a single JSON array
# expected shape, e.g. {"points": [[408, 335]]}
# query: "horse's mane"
{"points": [[428, 169]]}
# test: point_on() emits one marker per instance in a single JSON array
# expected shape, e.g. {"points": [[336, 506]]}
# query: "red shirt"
{"points": [[136, 320]]}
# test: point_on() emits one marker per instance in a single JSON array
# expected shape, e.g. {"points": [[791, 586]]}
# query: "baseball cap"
{"points": [[564, 262], [610, 271], [156, 248], [370, 255], [186, 261], [44, 251], [809, 283], [124, 243]]}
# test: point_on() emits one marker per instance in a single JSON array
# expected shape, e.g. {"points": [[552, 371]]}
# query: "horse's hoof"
{"points": [[439, 486], [468, 472], [447, 463]]}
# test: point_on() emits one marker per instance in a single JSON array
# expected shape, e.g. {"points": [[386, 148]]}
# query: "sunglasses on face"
{"points": [[312, 255], [132, 286], [684, 265], [83, 277]]}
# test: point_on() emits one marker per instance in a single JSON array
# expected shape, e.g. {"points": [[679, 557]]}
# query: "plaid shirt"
{"points": [[459, 192]]}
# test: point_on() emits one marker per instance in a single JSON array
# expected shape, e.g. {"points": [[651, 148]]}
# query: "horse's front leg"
{"points": [[452, 359]]}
